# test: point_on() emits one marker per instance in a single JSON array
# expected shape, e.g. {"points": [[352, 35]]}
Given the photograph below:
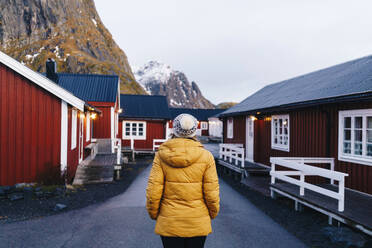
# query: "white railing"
{"points": [[117, 148], [228, 152], [301, 169], [156, 143]]}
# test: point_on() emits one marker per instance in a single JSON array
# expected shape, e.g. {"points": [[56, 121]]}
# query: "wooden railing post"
{"points": [[341, 192], [272, 176], [302, 179], [332, 169]]}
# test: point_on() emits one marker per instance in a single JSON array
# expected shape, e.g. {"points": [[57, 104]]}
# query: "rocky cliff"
{"points": [[70, 31], [160, 79]]}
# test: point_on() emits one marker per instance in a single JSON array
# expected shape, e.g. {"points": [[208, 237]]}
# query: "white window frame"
{"points": [[73, 128], [278, 146], [136, 137], [204, 125], [353, 158], [88, 127], [230, 128]]}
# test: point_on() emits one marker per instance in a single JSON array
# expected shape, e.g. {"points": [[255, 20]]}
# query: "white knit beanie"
{"points": [[184, 126]]}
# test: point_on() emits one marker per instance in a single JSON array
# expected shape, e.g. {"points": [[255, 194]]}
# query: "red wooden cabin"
{"points": [[143, 120], [44, 128], [327, 113], [100, 91]]}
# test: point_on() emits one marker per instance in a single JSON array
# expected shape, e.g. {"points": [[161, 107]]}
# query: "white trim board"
{"points": [[64, 135], [42, 81]]}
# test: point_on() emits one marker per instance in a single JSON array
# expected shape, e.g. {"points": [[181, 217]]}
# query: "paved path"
{"points": [[123, 222]]}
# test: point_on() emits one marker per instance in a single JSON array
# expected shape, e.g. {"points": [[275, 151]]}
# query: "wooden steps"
{"points": [[99, 170]]}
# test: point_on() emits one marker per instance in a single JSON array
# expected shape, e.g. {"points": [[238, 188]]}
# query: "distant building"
{"points": [[102, 92], [144, 120], [44, 129]]}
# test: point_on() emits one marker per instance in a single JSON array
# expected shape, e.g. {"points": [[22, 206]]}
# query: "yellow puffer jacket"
{"points": [[183, 192]]}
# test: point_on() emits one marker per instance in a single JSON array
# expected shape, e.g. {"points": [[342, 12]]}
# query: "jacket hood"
{"points": [[180, 152]]}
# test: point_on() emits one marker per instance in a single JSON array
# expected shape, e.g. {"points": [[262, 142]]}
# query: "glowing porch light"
{"points": [[120, 111], [93, 116]]}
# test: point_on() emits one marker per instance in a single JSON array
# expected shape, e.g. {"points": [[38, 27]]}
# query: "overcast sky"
{"points": [[232, 48]]}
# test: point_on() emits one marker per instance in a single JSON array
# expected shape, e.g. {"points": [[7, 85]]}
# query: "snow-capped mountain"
{"points": [[160, 79]]}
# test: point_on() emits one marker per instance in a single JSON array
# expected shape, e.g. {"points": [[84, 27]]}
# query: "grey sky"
{"points": [[231, 48]]}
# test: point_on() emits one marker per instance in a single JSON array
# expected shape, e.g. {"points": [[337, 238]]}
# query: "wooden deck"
{"points": [[358, 206], [250, 168]]}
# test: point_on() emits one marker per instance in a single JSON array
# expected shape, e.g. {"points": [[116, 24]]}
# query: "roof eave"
{"points": [[42, 81], [359, 96]]}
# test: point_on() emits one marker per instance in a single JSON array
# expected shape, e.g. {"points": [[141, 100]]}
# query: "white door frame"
{"points": [[249, 139], [81, 138]]}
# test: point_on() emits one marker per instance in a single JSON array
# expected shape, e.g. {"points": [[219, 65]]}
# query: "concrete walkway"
{"points": [[123, 222]]}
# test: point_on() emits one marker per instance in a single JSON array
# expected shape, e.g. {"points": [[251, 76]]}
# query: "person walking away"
{"points": [[182, 194]]}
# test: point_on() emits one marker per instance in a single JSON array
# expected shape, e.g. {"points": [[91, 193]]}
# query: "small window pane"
{"points": [[369, 136], [140, 133], [369, 122], [286, 130], [347, 135], [140, 124], [347, 122], [276, 140], [358, 148], [369, 150], [358, 122], [347, 147], [127, 125], [358, 135], [127, 133]]}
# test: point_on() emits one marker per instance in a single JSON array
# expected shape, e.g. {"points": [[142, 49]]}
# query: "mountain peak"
{"points": [[158, 78]]}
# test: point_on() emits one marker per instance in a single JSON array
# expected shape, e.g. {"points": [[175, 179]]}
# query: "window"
{"points": [[230, 128], [73, 128], [280, 132], [355, 136], [204, 125], [134, 129], [88, 127]]}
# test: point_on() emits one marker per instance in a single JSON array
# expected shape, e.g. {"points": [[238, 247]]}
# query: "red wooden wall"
{"points": [[102, 125], [154, 130], [73, 154], [309, 137], [30, 128], [238, 133]]}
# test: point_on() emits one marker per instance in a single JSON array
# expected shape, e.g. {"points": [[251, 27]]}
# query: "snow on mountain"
{"points": [[160, 79]]}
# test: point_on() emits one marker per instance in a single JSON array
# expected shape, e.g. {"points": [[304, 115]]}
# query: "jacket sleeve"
{"points": [[154, 190], [211, 188]]}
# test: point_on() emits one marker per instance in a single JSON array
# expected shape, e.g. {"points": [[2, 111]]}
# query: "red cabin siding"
{"points": [[154, 130], [102, 126], [238, 131], [30, 129], [313, 133]]}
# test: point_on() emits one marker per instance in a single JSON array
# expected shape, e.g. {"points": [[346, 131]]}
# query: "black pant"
{"points": [[178, 242]]}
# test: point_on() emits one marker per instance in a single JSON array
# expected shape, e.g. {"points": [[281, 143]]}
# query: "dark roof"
{"points": [[350, 78], [144, 106], [91, 87], [199, 114]]}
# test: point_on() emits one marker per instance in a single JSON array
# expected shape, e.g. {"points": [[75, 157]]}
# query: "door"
{"points": [[249, 138], [81, 140]]}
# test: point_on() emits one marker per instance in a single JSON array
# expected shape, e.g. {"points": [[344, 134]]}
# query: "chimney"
{"points": [[51, 70]]}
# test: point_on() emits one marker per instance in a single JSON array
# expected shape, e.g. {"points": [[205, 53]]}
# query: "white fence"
{"points": [[301, 169], [156, 143], [228, 152]]}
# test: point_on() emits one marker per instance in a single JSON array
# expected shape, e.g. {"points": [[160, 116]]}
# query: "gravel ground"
{"points": [[309, 226], [33, 207]]}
